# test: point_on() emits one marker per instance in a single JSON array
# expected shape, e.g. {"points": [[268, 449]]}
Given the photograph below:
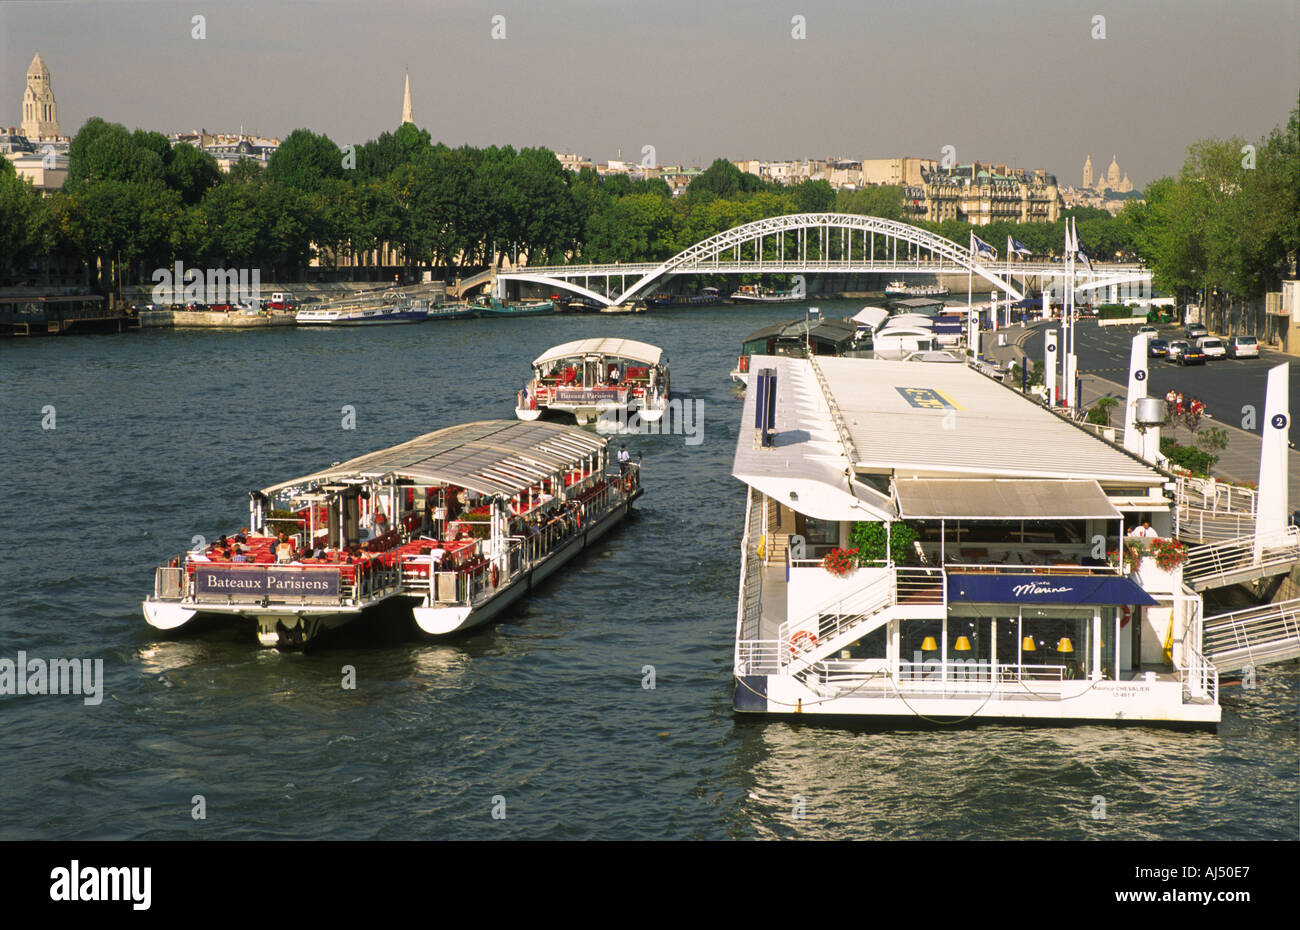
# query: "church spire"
{"points": [[408, 116]]}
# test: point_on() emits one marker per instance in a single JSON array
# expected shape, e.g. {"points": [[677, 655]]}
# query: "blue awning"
{"points": [[1046, 589]]}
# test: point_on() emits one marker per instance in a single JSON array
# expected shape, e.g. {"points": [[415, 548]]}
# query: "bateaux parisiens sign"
{"points": [[588, 395], [263, 582]]}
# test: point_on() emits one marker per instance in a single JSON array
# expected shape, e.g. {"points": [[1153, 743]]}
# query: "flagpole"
{"points": [[969, 284]]}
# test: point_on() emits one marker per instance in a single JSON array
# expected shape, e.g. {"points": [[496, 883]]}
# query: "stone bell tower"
{"points": [[40, 122]]}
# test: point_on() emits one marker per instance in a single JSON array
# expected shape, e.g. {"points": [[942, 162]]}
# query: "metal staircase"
{"points": [[1243, 559], [1207, 511], [1253, 636]]}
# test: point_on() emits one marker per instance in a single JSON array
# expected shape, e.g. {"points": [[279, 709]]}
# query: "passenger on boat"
{"points": [[284, 548], [239, 557]]}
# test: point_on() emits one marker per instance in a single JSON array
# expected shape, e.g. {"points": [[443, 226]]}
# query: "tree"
{"points": [[24, 220], [191, 173], [304, 160]]}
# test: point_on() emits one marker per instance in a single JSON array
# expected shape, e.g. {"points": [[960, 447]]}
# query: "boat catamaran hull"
{"points": [[451, 527], [598, 379]]}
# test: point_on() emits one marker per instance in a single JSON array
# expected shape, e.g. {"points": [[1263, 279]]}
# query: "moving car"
{"points": [[1196, 331], [1243, 347], [1157, 348], [1212, 346]]}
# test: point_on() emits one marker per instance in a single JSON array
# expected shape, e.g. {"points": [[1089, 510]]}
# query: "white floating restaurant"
{"points": [[924, 543], [453, 526], [590, 378]]}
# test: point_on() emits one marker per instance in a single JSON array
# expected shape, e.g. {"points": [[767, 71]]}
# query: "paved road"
{"points": [[1225, 385]]}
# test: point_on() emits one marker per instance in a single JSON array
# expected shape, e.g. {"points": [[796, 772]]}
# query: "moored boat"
{"points": [[392, 307], [758, 294], [924, 544], [454, 526], [796, 338], [596, 378], [491, 306], [903, 289]]}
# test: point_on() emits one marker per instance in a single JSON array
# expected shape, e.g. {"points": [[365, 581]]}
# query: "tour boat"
{"points": [[924, 544], [758, 294], [707, 297], [903, 289], [454, 526], [390, 308], [796, 338], [597, 378]]}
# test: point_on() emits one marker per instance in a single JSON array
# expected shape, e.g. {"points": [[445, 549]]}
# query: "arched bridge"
{"points": [[803, 243]]}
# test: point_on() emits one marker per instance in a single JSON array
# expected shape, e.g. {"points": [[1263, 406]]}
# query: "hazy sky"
{"points": [[1021, 81]]}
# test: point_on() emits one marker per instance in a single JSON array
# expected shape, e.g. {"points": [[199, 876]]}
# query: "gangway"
{"points": [[1243, 559], [1253, 636]]}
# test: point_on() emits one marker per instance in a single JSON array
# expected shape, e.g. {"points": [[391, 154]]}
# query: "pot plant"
{"points": [[840, 561]]}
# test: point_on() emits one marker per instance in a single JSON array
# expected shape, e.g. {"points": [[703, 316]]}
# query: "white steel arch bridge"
{"points": [[803, 243]]}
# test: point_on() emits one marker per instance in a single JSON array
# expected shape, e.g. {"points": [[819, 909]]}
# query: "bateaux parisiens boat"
{"points": [[390, 308], [592, 377], [455, 525]]}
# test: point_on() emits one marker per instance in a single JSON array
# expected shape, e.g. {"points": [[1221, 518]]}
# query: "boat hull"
{"points": [[445, 621]]}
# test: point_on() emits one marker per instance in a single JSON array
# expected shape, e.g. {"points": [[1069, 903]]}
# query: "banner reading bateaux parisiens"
{"points": [[226, 579]]}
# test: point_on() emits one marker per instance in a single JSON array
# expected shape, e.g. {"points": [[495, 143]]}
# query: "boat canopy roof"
{"points": [[871, 316], [915, 304], [488, 457], [1002, 499], [828, 328], [615, 348]]}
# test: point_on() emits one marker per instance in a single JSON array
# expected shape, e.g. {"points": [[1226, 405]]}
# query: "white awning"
{"points": [[1002, 499], [628, 349], [871, 317]]}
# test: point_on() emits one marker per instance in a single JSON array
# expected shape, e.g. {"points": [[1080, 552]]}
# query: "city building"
{"points": [[981, 193], [40, 117]]}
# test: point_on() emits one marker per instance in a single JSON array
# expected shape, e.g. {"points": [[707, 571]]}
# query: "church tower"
{"points": [[39, 120], [408, 116], [1112, 174], [1087, 172]]}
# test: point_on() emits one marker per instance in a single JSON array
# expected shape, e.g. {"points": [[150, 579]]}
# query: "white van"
{"points": [[1212, 346]]}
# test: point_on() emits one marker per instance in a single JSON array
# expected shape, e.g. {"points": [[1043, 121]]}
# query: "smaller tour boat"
{"points": [[590, 378], [903, 289]]}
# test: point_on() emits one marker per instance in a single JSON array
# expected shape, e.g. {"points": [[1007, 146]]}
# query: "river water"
{"points": [[159, 435]]}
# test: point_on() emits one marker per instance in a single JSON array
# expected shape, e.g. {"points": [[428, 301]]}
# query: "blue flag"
{"points": [[981, 248], [1020, 248]]}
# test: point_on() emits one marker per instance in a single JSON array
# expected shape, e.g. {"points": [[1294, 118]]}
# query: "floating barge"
{"points": [[456, 525], [924, 544]]}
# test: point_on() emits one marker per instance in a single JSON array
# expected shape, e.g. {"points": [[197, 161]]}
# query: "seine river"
{"points": [[159, 436]]}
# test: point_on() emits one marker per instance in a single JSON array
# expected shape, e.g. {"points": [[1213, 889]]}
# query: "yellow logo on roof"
{"points": [[928, 399]]}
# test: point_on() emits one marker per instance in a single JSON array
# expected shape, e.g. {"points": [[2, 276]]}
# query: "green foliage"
{"points": [[869, 539], [1196, 461], [1100, 411]]}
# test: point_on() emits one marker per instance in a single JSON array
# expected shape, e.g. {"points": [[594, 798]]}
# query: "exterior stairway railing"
{"points": [[1233, 560], [1253, 636]]}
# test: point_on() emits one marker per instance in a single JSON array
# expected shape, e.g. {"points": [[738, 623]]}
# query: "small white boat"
{"points": [[597, 378], [390, 308]]}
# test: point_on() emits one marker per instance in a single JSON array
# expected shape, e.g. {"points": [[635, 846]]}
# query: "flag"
{"points": [[1079, 254], [1015, 245], [982, 249]]}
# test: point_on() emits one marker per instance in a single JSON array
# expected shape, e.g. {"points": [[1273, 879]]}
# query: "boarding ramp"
{"points": [[1242, 560], [1252, 637], [1209, 511]]}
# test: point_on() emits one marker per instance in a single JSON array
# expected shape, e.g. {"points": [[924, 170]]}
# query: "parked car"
{"points": [[1212, 346], [1192, 355], [1243, 347], [1196, 331], [1177, 348], [1157, 348], [1148, 329]]}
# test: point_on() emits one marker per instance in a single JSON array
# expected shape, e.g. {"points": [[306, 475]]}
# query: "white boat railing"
{"points": [[1199, 677]]}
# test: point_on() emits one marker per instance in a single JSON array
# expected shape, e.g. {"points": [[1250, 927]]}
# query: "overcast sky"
{"points": [[1021, 81]]}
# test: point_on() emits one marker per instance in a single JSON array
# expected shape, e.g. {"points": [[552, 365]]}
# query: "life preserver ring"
{"points": [[1126, 613], [496, 575], [800, 637]]}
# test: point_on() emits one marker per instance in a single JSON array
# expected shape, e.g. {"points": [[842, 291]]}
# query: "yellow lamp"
{"points": [[962, 644], [1065, 645], [928, 644], [1028, 644]]}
